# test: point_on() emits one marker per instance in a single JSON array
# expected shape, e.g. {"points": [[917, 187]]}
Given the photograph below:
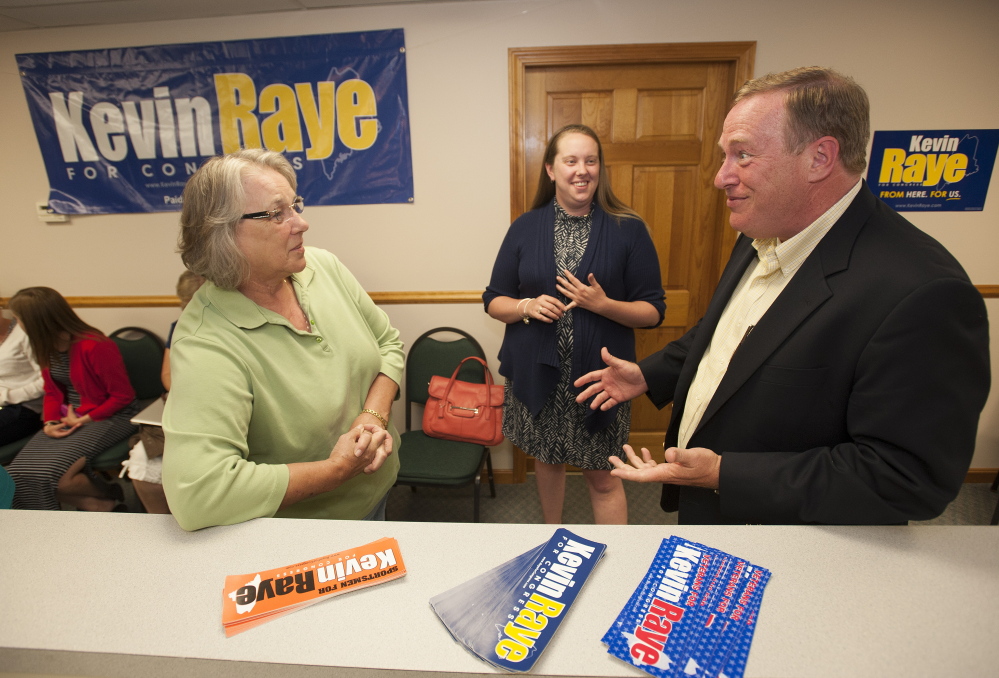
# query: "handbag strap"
{"points": [[454, 378]]}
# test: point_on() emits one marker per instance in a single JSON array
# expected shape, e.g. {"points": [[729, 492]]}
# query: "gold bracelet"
{"points": [[524, 316], [378, 416]]}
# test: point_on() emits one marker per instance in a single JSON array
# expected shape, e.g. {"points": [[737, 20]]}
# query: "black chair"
{"points": [[10, 450], [6, 489], [142, 352], [433, 462]]}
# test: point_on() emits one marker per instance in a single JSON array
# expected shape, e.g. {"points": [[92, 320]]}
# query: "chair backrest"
{"points": [[429, 356], [6, 489], [142, 352]]}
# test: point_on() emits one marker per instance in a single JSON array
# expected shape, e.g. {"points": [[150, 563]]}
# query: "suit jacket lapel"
{"points": [[743, 254], [805, 293]]}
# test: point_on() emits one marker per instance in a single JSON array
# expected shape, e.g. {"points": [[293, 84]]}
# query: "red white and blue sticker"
{"points": [[693, 614]]}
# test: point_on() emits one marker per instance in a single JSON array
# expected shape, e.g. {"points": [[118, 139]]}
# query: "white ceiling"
{"points": [[19, 15]]}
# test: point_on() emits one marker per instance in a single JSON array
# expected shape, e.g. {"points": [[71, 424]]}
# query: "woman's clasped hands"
{"points": [[67, 425], [545, 308], [591, 297], [59, 429], [548, 309], [364, 448]]}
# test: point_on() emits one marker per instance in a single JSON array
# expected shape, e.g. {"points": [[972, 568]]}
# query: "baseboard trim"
{"points": [[981, 475], [503, 476]]}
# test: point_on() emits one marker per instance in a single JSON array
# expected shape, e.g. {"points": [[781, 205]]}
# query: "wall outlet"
{"points": [[46, 214]]}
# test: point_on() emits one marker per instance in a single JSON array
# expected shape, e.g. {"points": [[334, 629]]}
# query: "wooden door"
{"points": [[658, 110]]}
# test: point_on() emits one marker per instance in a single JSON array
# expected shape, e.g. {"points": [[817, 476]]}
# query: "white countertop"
{"points": [[118, 594]]}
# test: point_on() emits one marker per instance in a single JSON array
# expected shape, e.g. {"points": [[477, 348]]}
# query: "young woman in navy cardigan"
{"points": [[87, 405], [576, 273]]}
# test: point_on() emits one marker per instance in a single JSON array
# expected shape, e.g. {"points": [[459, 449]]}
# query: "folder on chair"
{"points": [[152, 415]]}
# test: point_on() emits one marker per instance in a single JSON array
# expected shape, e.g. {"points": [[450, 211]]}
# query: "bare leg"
{"points": [[610, 504], [75, 489], [551, 490], [152, 496]]}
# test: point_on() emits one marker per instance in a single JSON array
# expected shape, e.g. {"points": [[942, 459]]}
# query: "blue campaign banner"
{"points": [[933, 170], [120, 130]]}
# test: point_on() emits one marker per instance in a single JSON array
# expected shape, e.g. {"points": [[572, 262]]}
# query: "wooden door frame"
{"points": [[739, 55]]}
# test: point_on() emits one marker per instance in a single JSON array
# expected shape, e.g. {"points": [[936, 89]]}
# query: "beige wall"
{"points": [[925, 65]]}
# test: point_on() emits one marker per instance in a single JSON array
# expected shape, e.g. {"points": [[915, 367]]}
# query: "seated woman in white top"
{"points": [[21, 385]]}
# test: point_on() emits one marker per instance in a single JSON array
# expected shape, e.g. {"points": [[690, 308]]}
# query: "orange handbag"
{"points": [[462, 411]]}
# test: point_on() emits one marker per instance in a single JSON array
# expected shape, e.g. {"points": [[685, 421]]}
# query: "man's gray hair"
{"points": [[820, 102]]}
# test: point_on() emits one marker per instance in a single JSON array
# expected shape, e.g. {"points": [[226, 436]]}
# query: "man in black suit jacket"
{"points": [[839, 372]]}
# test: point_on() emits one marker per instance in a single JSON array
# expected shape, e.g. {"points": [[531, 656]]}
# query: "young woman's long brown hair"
{"points": [[45, 315], [604, 197]]}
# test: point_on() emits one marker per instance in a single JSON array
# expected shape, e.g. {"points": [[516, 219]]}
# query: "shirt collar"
{"points": [[242, 312], [560, 211], [791, 253]]}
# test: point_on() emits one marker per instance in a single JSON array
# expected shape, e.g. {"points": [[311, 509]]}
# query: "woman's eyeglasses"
{"points": [[281, 213]]}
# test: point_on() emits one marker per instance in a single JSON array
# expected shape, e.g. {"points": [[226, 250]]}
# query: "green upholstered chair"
{"points": [[433, 462], [6, 489], [142, 352]]}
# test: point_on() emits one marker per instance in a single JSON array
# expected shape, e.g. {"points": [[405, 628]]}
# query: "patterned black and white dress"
{"points": [[558, 435], [43, 461]]}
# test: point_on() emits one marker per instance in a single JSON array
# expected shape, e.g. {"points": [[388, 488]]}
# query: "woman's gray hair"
{"points": [[213, 207]]}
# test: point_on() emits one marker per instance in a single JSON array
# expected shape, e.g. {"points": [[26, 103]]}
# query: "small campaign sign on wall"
{"points": [[933, 170]]}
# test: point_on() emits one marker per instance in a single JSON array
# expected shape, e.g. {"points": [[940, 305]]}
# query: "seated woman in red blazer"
{"points": [[88, 405]]}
